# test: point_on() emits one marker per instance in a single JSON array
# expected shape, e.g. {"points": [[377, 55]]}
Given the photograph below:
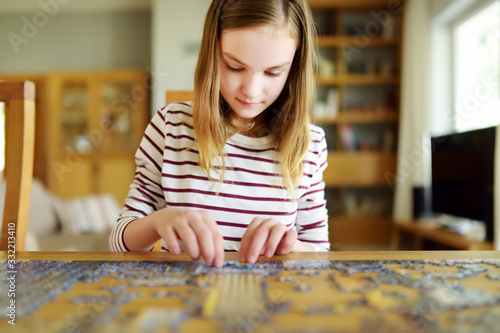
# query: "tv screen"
{"points": [[463, 175]]}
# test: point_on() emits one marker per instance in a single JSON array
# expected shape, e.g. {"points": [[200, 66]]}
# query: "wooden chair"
{"points": [[19, 99], [178, 96]]}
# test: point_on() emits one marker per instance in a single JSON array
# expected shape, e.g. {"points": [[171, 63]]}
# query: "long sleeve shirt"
{"points": [[168, 175]]}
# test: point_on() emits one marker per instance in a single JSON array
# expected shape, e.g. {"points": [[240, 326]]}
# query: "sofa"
{"points": [[75, 224]]}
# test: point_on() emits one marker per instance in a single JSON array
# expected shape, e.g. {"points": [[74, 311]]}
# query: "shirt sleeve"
{"points": [[312, 214], [146, 193]]}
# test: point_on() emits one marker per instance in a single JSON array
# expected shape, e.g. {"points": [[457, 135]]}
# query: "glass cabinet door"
{"points": [[116, 109], [74, 107]]}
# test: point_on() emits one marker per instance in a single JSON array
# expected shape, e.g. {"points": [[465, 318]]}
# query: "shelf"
{"points": [[353, 41], [358, 83], [350, 169], [364, 117], [358, 79], [428, 230]]}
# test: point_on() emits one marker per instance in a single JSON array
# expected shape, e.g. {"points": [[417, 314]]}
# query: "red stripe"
{"points": [[228, 182], [181, 149], [231, 224], [181, 162], [140, 190], [232, 239], [153, 143], [249, 149], [269, 174], [250, 171], [161, 114], [318, 152], [230, 210], [148, 179], [143, 201], [143, 185], [122, 233], [311, 192], [182, 136], [158, 130], [225, 195], [310, 162], [311, 208], [180, 111], [314, 241], [315, 225], [253, 158], [136, 210], [178, 124], [316, 184], [150, 158]]}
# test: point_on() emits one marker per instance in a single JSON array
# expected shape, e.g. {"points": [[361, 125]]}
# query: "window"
{"points": [[476, 70]]}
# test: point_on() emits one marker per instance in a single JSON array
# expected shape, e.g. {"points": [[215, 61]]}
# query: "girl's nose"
{"points": [[251, 87]]}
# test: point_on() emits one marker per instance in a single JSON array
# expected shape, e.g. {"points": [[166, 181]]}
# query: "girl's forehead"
{"points": [[265, 31], [258, 47]]}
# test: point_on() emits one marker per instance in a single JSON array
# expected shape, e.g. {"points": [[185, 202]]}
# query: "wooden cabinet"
{"points": [[96, 121], [358, 84]]}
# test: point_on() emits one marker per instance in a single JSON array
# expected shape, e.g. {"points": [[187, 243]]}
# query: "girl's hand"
{"points": [[268, 237], [197, 230]]}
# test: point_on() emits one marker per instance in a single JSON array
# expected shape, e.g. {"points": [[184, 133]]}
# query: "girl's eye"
{"points": [[273, 74], [232, 69]]}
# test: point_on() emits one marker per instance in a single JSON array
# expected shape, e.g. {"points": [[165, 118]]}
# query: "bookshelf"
{"points": [[358, 88]]}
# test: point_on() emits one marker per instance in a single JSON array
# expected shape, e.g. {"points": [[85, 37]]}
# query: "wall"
{"points": [[36, 42], [176, 36]]}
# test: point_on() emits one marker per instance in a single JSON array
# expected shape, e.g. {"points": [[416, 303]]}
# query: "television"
{"points": [[463, 176]]}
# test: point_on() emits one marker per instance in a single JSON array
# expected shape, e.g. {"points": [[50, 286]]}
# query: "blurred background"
{"points": [[392, 75]]}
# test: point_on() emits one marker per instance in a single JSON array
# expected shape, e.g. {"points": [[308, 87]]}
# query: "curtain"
{"points": [[413, 150]]}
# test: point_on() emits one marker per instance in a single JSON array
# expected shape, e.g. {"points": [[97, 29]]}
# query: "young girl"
{"points": [[240, 168]]}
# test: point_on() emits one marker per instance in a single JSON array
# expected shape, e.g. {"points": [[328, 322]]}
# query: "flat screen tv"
{"points": [[463, 175]]}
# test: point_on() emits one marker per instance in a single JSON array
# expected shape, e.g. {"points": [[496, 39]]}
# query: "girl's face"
{"points": [[254, 67]]}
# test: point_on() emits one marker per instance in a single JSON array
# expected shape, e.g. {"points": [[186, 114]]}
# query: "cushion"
{"points": [[94, 213], [42, 219]]}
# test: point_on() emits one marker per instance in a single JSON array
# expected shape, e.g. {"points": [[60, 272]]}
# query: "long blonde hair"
{"points": [[287, 119]]}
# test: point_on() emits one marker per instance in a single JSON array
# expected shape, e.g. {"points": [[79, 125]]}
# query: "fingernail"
{"points": [[251, 259], [269, 253], [219, 263]]}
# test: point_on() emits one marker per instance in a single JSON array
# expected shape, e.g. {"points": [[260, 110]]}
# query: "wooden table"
{"points": [[427, 291]]}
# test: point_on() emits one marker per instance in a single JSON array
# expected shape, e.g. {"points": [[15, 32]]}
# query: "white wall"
{"points": [[37, 42], [176, 36]]}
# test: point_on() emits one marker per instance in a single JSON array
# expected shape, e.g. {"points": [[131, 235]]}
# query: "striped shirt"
{"points": [[168, 175]]}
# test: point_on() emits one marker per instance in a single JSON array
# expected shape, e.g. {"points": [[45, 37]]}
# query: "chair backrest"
{"points": [[19, 99], [178, 96]]}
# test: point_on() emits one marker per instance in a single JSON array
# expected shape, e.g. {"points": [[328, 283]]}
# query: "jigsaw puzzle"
{"points": [[269, 296]]}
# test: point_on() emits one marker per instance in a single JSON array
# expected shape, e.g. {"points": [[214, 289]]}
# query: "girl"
{"points": [[240, 168]]}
